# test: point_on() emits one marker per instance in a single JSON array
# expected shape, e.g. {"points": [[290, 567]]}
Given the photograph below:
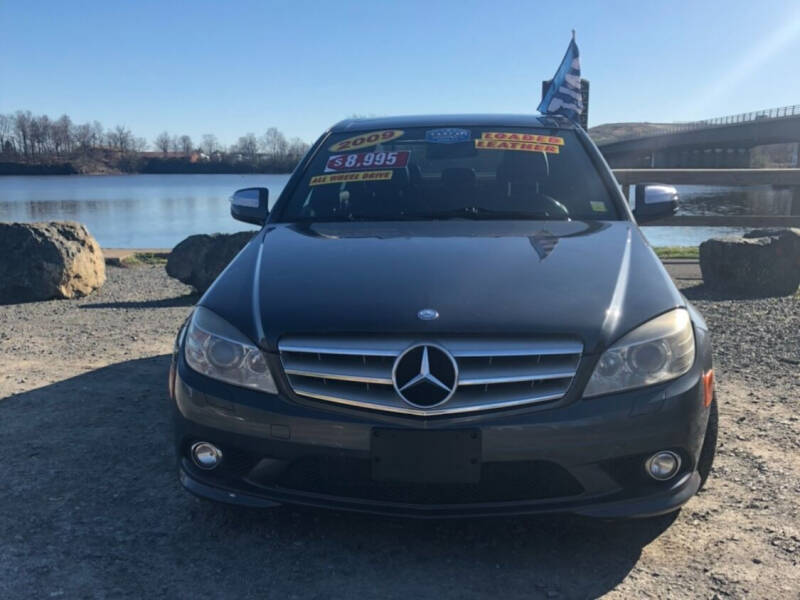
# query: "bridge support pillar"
{"points": [[744, 158], [663, 159]]}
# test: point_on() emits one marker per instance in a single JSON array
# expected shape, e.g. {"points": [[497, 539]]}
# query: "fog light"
{"points": [[663, 465], [206, 455]]}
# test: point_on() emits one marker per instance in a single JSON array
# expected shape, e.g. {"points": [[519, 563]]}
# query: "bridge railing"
{"points": [[769, 113]]}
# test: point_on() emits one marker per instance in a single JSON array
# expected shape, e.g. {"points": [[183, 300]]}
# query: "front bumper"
{"points": [[585, 457]]}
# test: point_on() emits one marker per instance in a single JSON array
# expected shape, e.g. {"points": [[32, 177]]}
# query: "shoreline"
{"points": [[667, 254], [128, 173]]}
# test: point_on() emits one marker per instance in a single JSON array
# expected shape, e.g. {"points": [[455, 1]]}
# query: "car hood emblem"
{"points": [[425, 375], [428, 314]]}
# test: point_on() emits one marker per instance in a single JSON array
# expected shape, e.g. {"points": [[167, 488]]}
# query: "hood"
{"points": [[590, 280]]}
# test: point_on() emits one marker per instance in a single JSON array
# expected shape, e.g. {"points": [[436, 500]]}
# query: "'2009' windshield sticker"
{"points": [[508, 136], [350, 177], [365, 140], [367, 160], [447, 135]]}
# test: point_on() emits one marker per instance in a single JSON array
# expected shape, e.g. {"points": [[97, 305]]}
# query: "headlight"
{"points": [[657, 351], [217, 349]]}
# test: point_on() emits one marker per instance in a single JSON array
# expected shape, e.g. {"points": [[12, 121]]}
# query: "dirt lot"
{"points": [[90, 505]]}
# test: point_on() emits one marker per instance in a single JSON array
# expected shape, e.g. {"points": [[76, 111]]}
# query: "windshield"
{"points": [[451, 172]]}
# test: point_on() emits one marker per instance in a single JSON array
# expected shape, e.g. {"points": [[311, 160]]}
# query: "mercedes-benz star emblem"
{"points": [[425, 375]]}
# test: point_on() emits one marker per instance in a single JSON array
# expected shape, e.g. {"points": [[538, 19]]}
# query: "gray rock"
{"points": [[761, 263], [41, 261], [199, 259]]}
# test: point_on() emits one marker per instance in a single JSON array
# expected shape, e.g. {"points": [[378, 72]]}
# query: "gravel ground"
{"points": [[91, 506]]}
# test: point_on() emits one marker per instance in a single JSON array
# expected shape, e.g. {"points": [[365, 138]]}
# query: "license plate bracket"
{"points": [[425, 456]]}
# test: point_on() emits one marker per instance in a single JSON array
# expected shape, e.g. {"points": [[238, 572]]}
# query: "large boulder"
{"points": [[40, 261], [765, 262], [199, 259]]}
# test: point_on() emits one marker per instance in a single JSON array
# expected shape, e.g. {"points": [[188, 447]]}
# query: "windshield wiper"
{"points": [[481, 212]]}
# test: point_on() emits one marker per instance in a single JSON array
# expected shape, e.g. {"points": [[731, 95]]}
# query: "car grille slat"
{"points": [[493, 373], [492, 370], [345, 368]]}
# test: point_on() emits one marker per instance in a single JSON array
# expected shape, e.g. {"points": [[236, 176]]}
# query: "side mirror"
{"points": [[250, 205], [654, 202]]}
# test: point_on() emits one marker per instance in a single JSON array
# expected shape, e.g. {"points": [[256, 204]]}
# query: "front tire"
{"points": [[709, 449]]}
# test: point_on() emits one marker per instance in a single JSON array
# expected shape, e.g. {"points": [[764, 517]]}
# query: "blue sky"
{"points": [[233, 67]]}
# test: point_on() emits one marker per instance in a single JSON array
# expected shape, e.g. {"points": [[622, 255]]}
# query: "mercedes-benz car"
{"points": [[446, 316]]}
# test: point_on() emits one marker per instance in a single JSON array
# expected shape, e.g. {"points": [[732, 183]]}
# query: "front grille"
{"points": [[500, 482], [492, 373]]}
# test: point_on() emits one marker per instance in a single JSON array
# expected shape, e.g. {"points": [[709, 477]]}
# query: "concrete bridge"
{"points": [[724, 142]]}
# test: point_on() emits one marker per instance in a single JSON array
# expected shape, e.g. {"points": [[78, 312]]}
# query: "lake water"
{"points": [[133, 211], [158, 211]]}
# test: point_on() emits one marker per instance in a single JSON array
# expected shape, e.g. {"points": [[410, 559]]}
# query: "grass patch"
{"points": [[145, 258], [678, 252]]}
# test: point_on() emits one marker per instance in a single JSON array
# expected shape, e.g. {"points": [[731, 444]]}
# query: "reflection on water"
{"points": [[158, 211], [717, 200], [714, 200], [133, 211]]}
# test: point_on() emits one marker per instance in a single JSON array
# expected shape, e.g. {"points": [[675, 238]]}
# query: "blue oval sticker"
{"points": [[447, 135]]}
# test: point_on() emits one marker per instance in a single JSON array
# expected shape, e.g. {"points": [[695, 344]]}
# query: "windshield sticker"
{"points": [[522, 137], [366, 160], [365, 140], [350, 177], [447, 135], [518, 146], [598, 206]]}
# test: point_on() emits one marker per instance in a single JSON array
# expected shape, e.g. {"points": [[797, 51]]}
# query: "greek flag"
{"points": [[563, 97]]}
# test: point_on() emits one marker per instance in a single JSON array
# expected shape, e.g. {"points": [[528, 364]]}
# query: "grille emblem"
{"points": [[428, 314], [425, 375]]}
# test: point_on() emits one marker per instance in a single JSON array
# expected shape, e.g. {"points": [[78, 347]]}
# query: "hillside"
{"points": [[612, 132]]}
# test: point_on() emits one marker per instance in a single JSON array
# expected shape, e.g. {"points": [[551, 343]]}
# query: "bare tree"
{"points": [[248, 145], [120, 138], [62, 131], [138, 144], [97, 134], [6, 129], [36, 136], [274, 143], [162, 142], [297, 149], [186, 144], [22, 127], [82, 137], [40, 134], [210, 144]]}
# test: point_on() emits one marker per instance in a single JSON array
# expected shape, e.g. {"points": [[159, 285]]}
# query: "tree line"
{"points": [[29, 138]]}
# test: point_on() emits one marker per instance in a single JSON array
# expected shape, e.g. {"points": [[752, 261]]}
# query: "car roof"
{"points": [[469, 120]]}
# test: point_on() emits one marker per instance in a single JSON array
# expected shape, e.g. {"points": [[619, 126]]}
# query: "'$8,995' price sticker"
{"points": [[367, 160]]}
